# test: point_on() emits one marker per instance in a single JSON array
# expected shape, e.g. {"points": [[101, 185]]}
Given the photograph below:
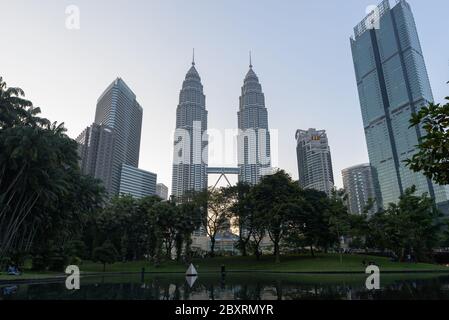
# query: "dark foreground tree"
{"points": [[218, 214], [413, 226], [242, 210], [41, 199], [433, 156], [277, 200]]}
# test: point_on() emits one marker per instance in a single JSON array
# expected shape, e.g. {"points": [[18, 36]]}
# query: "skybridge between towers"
{"points": [[223, 172]]}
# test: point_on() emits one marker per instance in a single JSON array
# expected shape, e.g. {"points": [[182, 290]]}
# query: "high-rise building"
{"points": [[358, 184], [95, 148], [190, 143], [137, 182], [314, 160], [162, 191], [393, 84], [118, 109], [254, 155]]}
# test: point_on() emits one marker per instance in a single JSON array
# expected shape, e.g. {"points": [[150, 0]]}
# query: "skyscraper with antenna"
{"points": [[190, 141], [254, 155]]}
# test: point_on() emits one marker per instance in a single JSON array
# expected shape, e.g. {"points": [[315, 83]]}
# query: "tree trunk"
{"points": [[243, 247], [104, 267], [311, 251], [188, 251], [212, 247], [276, 252]]}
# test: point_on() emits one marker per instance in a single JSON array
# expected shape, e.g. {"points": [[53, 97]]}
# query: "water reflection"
{"points": [[236, 287]]}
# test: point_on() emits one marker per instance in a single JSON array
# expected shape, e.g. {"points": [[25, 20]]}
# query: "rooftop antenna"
{"points": [[250, 62], [193, 57]]}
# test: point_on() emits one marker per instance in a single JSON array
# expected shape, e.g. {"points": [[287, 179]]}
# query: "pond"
{"points": [[259, 286]]}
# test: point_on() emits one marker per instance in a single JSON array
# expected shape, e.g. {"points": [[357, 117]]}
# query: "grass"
{"points": [[293, 263], [32, 275]]}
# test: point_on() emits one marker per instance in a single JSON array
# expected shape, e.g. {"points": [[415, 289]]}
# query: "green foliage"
{"points": [[106, 254], [412, 226], [242, 209], [218, 214], [278, 202], [433, 156], [43, 196]]}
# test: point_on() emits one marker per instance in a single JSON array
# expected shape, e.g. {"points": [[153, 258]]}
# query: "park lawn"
{"points": [[293, 263], [31, 275]]}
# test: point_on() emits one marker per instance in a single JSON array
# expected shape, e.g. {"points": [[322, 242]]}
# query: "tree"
{"points": [[106, 254], [189, 220], [218, 214], [17, 111], [312, 223], [338, 218], [43, 196], [433, 156], [359, 230], [242, 209], [412, 226], [277, 199], [165, 223]]}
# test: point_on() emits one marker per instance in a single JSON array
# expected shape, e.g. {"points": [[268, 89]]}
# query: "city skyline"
{"points": [[296, 101]]}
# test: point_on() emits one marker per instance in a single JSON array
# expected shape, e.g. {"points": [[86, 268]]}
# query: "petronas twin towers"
{"points": [[190, 156]]}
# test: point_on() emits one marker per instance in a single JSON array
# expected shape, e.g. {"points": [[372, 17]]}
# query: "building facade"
{"points": [[118, 109], [314, 160], [254, 154], [137, 182], [96, 149], [190, 142], [393, 84], [359, 188], [162, 191]]}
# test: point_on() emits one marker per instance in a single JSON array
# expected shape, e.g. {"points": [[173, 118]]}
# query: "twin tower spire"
{"points": [[190, 156]]}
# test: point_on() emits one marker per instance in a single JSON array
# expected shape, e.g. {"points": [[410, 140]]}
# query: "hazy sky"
{"points": [[301, 54]]}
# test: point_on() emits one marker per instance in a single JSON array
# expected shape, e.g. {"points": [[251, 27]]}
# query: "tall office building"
{"points": [[254, 157], [162, 191], [95, 149], [190, 145], [118, 109], [393, 84], [137, 182], [358, 184], [314, 160]]}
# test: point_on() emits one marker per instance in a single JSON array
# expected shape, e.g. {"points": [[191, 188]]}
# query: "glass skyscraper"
{"points": [[118, 109], [136, 182], [254, 137], [314, 160], [358, 185], [393, 84], [96, 149], [190, 145]]}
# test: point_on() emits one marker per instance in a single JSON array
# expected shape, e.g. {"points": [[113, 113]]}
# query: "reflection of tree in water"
{"points": [[243, 287]]}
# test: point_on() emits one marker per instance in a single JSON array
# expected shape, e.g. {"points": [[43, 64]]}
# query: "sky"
{"points": [[300, 51]]}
